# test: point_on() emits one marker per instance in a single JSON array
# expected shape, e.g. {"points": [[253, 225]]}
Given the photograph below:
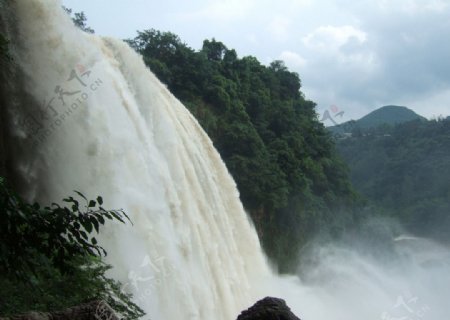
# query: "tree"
{"points": [[79, 19], [57, 232], [52, 250], [214, 50]]}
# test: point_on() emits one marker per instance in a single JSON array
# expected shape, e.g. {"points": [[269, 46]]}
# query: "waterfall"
{"points": [[90, 116], [82, 112]]}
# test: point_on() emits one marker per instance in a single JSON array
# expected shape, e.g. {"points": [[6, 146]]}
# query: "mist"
{"points": [[378, 272]]}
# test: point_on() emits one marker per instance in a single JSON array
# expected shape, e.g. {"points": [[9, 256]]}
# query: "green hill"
{"points": [[387, 115], [404, 171]]}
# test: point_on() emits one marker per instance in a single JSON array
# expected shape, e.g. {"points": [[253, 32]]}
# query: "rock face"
{"points": [[95, 310], [268, 309]]}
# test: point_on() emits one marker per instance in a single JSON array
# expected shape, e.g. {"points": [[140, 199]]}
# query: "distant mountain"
{"points": [[389, 115]]}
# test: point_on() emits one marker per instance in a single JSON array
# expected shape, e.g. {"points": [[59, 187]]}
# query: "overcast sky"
{"points": [[354, 55]]}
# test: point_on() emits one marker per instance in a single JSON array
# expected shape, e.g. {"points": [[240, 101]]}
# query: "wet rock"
{"points": [[268, 309]]}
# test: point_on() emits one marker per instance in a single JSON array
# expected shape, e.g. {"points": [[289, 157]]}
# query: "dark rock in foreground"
{"points": [[95, 310], [268, 309]]}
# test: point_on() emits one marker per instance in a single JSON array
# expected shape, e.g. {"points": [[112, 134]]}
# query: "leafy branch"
{"points": [[58, 232]]}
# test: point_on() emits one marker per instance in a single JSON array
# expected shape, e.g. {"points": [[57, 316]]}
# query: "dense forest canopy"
{"points": [[404, 171], [282, 158]]}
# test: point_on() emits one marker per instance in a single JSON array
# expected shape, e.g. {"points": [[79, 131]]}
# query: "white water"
{"points": [[192, 253]]}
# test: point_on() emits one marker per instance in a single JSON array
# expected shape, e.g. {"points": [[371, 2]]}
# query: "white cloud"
{"points": [[279, 28], [252, 38], [332, 38], [222, 11], [357, 55], [413, 7], [438, 5], [293, 60], [434, 105], [301, 3], [335, 50], [419, 6]]}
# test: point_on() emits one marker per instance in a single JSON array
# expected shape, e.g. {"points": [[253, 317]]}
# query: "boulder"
{"points": [[268, 309]]}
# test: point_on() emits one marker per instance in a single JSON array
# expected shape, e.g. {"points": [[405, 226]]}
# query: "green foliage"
{"points": [[404, 170], [281, 157], [50, 289], [214, 50], [79, 19], [390, 115], [49, 259], [57, 232]]}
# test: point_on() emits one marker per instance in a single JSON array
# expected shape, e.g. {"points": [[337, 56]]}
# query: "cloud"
{"points": [[293, 60], [221, 11], [391, 53], [420, 6], [252, 38], [331, 38], [357, 55], [279, 28], [301, 3], [433, 105]]}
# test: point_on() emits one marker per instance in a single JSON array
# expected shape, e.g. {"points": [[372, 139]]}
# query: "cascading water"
{"points": [[83, 113], [90, 116]]}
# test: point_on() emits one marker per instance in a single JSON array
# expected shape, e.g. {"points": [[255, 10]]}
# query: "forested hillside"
{"points": [[390, 115], [405, 171], [282, 158], [387, 115]]}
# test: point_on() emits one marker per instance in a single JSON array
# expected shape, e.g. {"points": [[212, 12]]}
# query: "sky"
{"points": [[352, 56]]}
